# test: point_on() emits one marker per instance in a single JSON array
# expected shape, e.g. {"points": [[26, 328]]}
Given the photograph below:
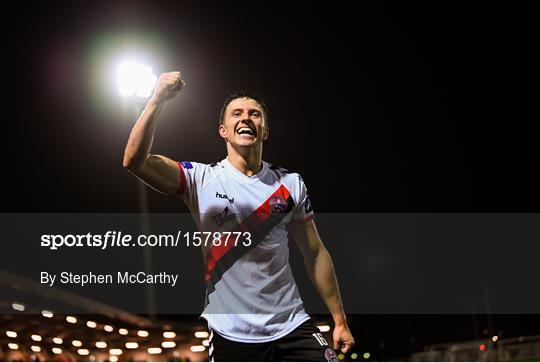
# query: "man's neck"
{"points": [[248, 161]]}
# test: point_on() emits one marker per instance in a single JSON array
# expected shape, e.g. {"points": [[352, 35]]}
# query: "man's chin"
{"points": [[246, 142]]}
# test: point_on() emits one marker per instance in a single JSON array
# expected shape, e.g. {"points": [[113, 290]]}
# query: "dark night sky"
{"points": [[433, 107]]}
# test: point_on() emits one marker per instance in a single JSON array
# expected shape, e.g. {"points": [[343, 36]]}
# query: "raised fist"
{"points": [[168, 86]]}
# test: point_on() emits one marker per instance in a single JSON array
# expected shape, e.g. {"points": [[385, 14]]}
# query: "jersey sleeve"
{"points": [[192, 177], [303, 211]]}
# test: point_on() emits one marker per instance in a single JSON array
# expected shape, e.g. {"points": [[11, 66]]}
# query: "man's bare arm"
{"points": [[159, 172], [321, 272]]}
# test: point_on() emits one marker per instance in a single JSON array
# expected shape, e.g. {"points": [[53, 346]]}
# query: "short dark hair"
{"points": [[244, 94]]}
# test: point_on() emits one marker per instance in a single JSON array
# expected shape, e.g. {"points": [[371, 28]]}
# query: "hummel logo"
{"points": [[224, 196]]}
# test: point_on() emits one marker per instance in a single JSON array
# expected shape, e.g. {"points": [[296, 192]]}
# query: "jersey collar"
{"points": [[241, 176]]}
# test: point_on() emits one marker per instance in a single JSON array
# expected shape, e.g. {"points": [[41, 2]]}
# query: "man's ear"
{"points": [[222, 131], [266, 133]]}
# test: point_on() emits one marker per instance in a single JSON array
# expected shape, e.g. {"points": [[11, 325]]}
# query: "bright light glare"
{"points": [[201, 334], [367, 355], [18, 307], [57, 350], [135, 79], [168, 344], [115, 351], [155, 350]]}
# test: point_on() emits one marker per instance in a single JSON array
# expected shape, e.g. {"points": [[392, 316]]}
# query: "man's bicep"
{"points": [[161, 173], [307, 238]]}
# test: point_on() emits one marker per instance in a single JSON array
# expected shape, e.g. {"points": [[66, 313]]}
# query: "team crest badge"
{"points": [[278, 204], [330, 355]]}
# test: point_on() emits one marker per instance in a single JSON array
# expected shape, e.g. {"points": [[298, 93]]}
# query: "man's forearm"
{"points": [[322, 274], [141, 137]]}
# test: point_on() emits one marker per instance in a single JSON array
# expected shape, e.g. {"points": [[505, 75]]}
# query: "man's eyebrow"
{"points": [[249, 110]]}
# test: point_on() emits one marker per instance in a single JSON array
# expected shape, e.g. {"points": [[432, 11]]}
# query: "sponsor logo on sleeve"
{"points": [[186, 164]]}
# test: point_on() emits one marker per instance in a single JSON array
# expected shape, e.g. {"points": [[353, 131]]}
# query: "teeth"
{"points": [[245, 129]]}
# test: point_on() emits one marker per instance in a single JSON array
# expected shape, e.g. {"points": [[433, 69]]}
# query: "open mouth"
{"points": [[244, 130]]}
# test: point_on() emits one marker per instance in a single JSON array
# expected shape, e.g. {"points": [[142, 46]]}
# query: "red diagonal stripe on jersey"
{"points": [[255, 219]]}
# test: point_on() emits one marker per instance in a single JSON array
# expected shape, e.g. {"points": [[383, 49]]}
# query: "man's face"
{"points": [[244, 123]]}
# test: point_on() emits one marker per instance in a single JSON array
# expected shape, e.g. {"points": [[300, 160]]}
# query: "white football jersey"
{"points": [[251, 293]]}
